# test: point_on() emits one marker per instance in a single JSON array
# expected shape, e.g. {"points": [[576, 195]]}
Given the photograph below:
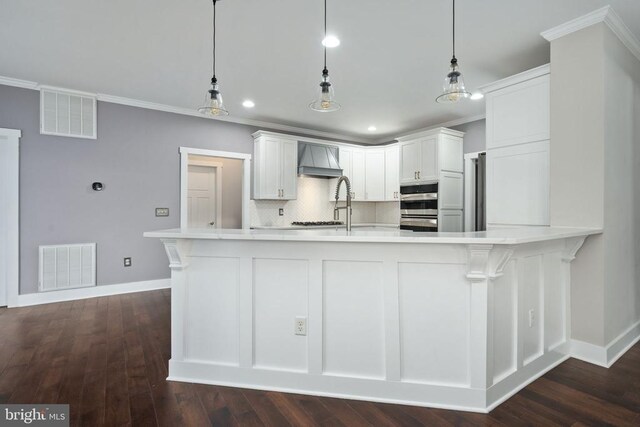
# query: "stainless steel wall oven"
{"points": [[419, 207]]}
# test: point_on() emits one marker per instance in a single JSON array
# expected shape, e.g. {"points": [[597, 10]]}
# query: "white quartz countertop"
{"points": [[502, 236], [319, 227]]}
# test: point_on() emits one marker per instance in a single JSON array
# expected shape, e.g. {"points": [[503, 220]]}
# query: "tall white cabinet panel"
{"points": [[428, 170], [518, 147], [518, 184], [275, 166], [375, 175], [392, 173], [450, 190]]}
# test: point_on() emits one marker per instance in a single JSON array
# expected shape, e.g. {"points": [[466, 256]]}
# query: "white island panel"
{"points": [[353, 313]]}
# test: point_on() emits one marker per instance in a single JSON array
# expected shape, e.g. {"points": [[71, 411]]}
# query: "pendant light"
{"points": [[213, 104], [325, 101], [453, 89]]}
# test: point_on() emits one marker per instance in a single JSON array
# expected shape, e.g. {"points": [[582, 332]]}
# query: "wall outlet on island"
{"points": [[301, 326], [281, 212]]}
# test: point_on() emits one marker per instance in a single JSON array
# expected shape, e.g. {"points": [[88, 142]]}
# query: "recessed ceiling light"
{"points": [[476, 96], [248, 104], [372, 128], [331, 41]]}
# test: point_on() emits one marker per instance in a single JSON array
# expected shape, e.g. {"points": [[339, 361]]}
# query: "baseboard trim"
{"points": [[606, 356], [92, 292]]}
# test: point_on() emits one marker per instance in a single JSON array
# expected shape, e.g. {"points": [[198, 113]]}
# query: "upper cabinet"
{"points": [[424, 156], [392, 173], [374, 175], [275, 165], [518, 144]]}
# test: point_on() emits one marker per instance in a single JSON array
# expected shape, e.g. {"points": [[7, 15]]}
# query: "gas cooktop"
{"points": [[316, 223]]}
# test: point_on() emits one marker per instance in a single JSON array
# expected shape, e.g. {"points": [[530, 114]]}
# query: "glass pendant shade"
{"points": [[213, 104], [325, 101], [453, 89]]}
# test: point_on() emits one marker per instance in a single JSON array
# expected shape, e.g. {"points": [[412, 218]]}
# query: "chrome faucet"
{"points": [[336, 210]]}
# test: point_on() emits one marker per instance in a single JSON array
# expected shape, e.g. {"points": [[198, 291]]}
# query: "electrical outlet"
{"points": [[162, 211], [281, 212], [532, 318], [301, 326], [127, 262]]}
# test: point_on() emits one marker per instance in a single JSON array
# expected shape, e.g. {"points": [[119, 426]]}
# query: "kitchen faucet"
{"points": [[336, 210]]}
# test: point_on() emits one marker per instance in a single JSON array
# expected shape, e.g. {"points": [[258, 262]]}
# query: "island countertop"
{"points": [[501, 236]]}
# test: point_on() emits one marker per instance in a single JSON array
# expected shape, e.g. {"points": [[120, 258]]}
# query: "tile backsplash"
{"points": [[313, 204]]}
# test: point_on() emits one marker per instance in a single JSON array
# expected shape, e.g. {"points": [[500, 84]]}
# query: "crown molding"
{"points": [[606, 15], [456, 122], [25, 84], [516, 78], [103, 97]]}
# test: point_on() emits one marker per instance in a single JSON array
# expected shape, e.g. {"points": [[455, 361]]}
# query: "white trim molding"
{"points": [[92, 292], [516, 78], [10, 215], [606, 15], [450, 123], [606, 356], [184, 177]]}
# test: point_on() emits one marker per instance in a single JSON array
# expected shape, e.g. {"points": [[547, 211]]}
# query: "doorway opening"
{"points": [[214, 189]]}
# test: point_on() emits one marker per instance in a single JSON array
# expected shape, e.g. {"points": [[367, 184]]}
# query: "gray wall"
{"points": [[595, 164], [475, 138], [135, 156]]}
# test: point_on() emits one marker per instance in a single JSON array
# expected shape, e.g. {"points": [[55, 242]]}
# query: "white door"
{"points": [[374, 175], [409, 162], [392, 173], [201, 197]]}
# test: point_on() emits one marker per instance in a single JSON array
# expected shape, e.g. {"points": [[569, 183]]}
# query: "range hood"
{"points": [[318, 160]]}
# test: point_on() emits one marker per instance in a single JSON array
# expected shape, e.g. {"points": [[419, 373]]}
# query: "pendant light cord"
{"points": [[214, 39], [325, 34], [454, 28]]}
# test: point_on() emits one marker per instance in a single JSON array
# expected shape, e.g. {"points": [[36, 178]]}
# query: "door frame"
{"points": [[218, 170], [469, 193], [184, 177], [9, 191]]}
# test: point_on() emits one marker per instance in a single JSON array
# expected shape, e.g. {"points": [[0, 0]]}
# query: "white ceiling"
{"points": [[387, 71]]}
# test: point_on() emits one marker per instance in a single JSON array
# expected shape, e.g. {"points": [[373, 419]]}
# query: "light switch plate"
{"points": [[281, 212], [127, 262], [162, 211]]}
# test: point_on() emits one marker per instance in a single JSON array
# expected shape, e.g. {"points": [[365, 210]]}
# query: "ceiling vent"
{"points": [[67, 113]]}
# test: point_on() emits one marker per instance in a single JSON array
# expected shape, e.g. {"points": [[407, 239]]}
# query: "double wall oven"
{"points": [[419, 207]]}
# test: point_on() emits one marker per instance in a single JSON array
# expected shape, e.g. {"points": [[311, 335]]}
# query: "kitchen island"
{"points": [[450, 320]]}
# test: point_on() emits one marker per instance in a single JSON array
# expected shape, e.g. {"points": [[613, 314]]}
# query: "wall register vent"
{"points": [[67, 113], [67, 266]]}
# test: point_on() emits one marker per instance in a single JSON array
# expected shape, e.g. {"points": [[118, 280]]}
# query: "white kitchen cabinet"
{"points": [[358, 172], [375, 175], [450, 221], [424, 156], [275, 165], [518, 185], [392, 173], [518, 145], [450, 191]]}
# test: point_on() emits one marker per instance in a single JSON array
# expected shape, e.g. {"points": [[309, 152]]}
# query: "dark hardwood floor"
{"points": [[107, 358]]}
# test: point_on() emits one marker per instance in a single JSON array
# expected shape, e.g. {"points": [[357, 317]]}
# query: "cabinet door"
{"points": [[289, 174], [392, 173], [345, 159], [518, 185], [269, 169], [451, 189], [374, 175], [428, 170], [450, 221], [409, 161], [358, 172]]}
